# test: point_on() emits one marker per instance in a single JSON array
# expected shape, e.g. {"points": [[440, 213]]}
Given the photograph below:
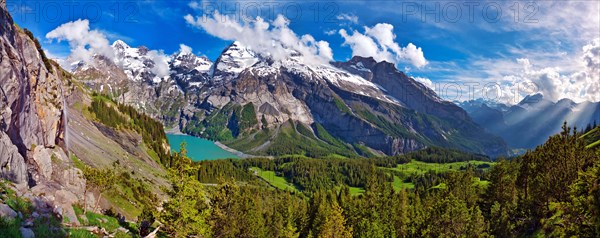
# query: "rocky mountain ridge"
{"points": [[361, 103]]}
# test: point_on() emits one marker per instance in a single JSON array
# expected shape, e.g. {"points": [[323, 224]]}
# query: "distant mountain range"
{"points": [[262, 106], [530, 122]]}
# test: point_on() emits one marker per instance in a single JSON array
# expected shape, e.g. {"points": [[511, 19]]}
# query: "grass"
{"points": [[341, 105], [121, 204], [289, 141], [480, 183], [151, 153], [77, 162], [418, 168], [79, 233], [274, 180], [78, 212], [399, 184], [94, 219], [10, 227], [356, 191]]}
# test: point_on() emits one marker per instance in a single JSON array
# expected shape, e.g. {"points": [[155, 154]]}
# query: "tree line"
{"points": [[549, 191]]}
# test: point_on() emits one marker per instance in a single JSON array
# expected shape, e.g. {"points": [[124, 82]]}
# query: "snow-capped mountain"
{"points": [[538, 116], [259, 105], [140, 64], [233, 60], [359, 110], [190, 70], [143, 78]]}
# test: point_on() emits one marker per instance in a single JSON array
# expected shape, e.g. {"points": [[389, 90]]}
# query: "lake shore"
{"points": [[174, 131], [241, 155], [233, 151]]}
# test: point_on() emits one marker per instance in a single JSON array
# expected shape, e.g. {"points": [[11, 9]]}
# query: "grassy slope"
{"points": [[356, 191], [398, 184], [413, 168], [274, 180], [417, 167], [99, 146]]}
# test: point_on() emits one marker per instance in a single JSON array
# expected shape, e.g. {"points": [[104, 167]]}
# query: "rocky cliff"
{"points": [[45, 127], [32, 90]]}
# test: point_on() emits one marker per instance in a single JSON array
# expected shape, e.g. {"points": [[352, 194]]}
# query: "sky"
{"points": [[496, 50]]}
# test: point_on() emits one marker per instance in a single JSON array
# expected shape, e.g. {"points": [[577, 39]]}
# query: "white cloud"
{"points": [[379, 42], [185, 49], [425, 81], [348, 17], [330, 32], [554, 83], [161, 63], [273, 39], [195, 5], [84, 43]]}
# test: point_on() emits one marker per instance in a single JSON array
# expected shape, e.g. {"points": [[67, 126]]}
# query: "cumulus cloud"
{"points": [[274, 39], [425, 81], [380, 43], [84, 43], [348, 17], [185, 49], [552, 82], [161, 63]]}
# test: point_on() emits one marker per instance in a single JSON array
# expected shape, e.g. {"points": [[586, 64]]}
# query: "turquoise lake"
{"points": [[199, 149]]}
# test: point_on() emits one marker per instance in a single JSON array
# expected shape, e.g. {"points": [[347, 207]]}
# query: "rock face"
{"points": [[43, 126], [348, 101], [30, 103], [539, 117]]}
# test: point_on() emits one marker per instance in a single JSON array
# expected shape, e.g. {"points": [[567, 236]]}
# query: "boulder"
{"points": [[7, 212], [69, 213], [43, 159], [72, 179], [27, 233], [65, 197], [14, 167]]}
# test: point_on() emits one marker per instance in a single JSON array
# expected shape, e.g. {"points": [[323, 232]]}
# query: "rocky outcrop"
{"points": [[12, 163], [31, 101], [7, 212]]}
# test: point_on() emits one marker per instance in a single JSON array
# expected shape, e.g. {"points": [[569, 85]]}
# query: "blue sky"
{"points": [[498, 46]]}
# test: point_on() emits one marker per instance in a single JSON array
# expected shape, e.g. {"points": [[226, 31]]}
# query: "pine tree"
{"points": [[334, 224], [402, 210], [186, 211], [101, 180]]}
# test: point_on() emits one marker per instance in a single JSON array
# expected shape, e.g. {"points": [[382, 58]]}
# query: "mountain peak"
{"points": [[532, 99], [358, 58], [119, 44], [233, 60]]}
